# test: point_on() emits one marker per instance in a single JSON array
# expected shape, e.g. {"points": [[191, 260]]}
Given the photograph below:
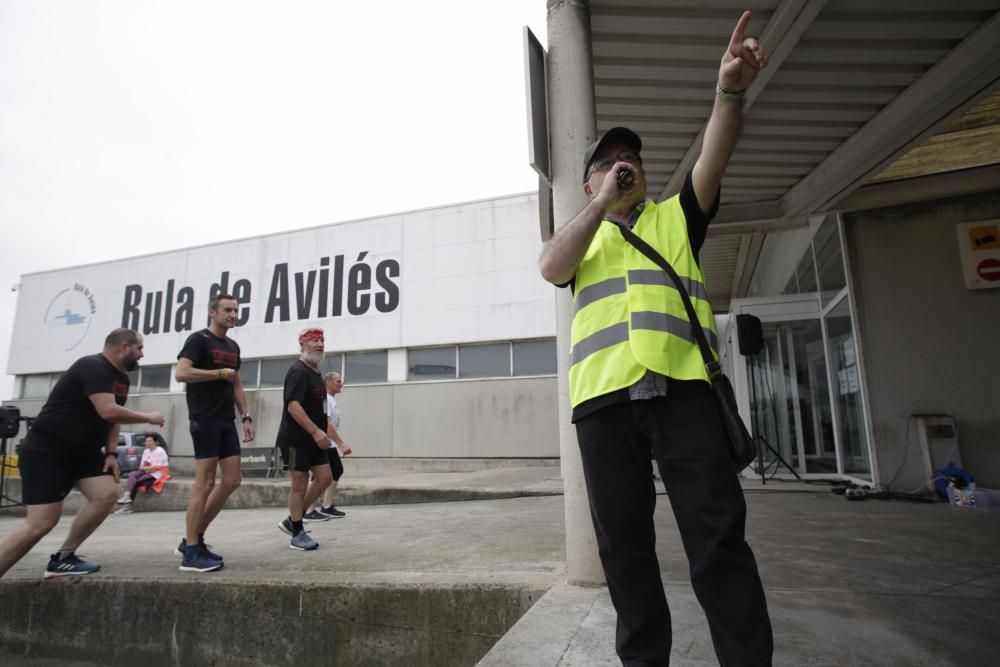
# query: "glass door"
{"points": [[790, 398], [846, 381], [803, 390]]}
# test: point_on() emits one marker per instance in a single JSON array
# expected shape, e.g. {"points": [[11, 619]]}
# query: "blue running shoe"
{"points": [[195, 560], [70, 565], [303, 542], [205, 547], [332, 512], [285, 526], [315, 516]]}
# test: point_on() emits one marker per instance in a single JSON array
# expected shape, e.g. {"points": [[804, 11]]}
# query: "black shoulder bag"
{"points": [[742, 449]]}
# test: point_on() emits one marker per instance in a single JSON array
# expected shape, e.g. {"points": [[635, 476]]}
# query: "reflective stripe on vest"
{"points": [[628, 316]]}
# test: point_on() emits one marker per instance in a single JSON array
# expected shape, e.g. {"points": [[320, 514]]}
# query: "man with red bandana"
{"points": [[302, 436]]}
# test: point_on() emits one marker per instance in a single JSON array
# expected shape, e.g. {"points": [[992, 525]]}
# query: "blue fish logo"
{"points": [[71, 317]]}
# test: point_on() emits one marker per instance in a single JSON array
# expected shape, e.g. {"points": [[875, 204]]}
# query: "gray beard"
{"points": [[315, 358]]}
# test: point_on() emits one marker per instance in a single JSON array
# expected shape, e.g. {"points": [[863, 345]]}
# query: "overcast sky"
{"points": [[133, 126]]}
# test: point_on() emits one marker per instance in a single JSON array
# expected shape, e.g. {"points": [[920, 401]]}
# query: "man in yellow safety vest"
{"points": [[639, 388]]}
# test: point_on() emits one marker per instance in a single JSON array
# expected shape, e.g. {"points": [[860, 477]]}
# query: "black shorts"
{"points": [[48, 478], [304, 459], [336, 465], [214, 438]]}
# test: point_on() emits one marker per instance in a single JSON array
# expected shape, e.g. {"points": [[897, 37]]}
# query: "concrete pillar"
{"points": [[572, 127]]}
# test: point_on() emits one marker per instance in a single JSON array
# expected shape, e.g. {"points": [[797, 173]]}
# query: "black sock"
{"points": [[297, 527], [201, 538], [63, 554]]}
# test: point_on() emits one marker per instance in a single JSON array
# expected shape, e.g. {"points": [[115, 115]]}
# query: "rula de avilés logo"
{"points": [[69, 316]]}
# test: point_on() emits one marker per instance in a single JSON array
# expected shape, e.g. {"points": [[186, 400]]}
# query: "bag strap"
{"points": [[713, 367]]}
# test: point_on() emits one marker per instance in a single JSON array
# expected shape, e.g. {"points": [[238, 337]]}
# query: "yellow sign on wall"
{"points": [[979, 248], [985, 237]]}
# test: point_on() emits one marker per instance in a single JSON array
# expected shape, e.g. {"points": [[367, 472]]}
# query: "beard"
{"points": [[315, 358], [130, 363]]}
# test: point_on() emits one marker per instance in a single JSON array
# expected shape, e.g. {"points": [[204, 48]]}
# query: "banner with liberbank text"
{"points": [[452, 274]]}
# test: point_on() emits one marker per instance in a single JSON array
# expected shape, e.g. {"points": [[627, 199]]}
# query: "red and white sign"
{"points": [[979, 249], [989, 269]]}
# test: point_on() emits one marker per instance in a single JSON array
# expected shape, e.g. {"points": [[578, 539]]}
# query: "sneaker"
{"points": [[285, 525], [205, 549], [332, 512], [303, 542], [315, 516], [70, 565], [195, 560], [124, 510], [124, 500]]}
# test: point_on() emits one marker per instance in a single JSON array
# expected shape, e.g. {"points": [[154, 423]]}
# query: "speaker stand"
{"points": [[758, 438]]}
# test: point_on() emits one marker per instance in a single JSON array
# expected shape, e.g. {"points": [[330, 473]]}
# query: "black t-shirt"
{"points": [[306, 386], [68, 422], [212, 399], [697, 228]]}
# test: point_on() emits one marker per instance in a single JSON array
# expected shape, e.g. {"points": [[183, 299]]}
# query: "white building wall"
{"points": [[467, 273], [930, 344]]}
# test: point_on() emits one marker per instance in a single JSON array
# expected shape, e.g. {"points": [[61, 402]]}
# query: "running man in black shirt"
{"points": [[303, 437], [63, 449], [209, 363]]}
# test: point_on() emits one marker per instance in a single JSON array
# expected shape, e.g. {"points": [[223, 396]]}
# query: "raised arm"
{"points": [[186, 372], [742, 61], [117, 414], [565, 250]]}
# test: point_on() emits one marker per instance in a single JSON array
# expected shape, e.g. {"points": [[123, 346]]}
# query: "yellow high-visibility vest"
{"points": [[628, 315]]}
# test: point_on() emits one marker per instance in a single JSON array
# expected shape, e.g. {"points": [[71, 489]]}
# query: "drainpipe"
{"points": [[572, 127]]}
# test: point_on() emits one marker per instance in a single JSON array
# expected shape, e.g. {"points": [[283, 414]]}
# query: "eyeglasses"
{"points": [[605, 163]]}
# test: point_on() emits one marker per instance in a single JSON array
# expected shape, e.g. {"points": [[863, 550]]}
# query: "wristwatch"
{"points": [[247, 417]]}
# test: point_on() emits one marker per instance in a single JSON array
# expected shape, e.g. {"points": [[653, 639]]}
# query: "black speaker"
{"points": [[750, 334], [10, 415]]}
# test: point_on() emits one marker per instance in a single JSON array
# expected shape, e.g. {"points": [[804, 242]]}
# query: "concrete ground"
{"points": [[848, 583]]}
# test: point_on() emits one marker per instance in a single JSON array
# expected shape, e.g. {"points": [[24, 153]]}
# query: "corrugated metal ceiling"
{"points": [[852, 85]]}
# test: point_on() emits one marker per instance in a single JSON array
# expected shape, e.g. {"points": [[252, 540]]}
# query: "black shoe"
{"points": [[315, 516], [332, 512]]}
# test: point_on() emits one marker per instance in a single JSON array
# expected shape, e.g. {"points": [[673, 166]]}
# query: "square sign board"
{"points": [[979, 247]]}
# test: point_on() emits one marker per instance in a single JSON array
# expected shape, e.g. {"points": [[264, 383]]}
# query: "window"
{"points": [[133, 380], [483, 361], [361, 367], [432, 363], [535, 357], [249, 370], [272, 371], [35, 386], [332, 362], [155, 379], [829, 260]]}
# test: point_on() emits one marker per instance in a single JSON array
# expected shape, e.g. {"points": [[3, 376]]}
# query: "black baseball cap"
{"points": [[616, 135]]}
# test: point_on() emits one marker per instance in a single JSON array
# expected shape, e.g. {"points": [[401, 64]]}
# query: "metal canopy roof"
{"points": [[852, 85]]}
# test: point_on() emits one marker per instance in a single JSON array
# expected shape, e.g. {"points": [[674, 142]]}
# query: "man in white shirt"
{"points": [[334, 384]]}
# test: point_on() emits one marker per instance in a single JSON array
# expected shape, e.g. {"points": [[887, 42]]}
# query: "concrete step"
{"points": [[493, 483]]}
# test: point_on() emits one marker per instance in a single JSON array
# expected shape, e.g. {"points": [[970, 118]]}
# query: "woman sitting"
{"points": [[153, 470]]}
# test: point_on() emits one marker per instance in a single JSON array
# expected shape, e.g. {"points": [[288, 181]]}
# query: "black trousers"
{"points": [[684, 435]]}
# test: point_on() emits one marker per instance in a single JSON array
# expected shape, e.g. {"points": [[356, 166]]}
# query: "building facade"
{"points": [[437, 319]]}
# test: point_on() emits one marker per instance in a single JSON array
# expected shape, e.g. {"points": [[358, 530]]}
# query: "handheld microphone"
{"points": [[625, 179]]}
